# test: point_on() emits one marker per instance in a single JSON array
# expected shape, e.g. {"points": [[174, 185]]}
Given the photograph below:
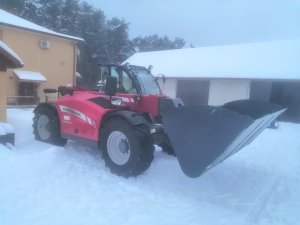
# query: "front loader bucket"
{"points": [[203, 136]]}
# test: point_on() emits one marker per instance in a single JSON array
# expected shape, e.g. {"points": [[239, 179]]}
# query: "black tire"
{"points": [[167, 148], [134, 149], [46, 126]]}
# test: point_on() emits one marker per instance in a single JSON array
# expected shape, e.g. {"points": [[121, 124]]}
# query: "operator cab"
{"points": [[130, 79]]}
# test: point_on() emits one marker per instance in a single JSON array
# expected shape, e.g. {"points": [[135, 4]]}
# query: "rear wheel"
{"points": [[46, 126], [127, 150]]}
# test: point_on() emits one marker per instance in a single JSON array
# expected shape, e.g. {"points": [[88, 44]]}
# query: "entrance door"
{"points": [[260, 90], [287, 94]]}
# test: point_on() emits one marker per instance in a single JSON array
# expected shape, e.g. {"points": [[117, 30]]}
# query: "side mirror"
{"points": [[111, 86], [163, 77], [150, 67]]}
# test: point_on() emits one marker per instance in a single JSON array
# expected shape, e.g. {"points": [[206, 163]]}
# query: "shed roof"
{"points": [[263, 60], [8, 58], [11, 20], [30, 76]]}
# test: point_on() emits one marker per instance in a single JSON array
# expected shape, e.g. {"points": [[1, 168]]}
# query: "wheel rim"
{"points": [[43, 127], [118, 148]]}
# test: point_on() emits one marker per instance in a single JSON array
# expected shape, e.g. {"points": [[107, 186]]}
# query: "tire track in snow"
{"points": [[258, 207]]}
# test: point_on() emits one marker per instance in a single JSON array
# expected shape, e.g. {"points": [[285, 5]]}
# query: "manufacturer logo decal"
{"points": [[76, 113]]}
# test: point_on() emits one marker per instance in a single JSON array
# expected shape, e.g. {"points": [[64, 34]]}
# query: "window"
{"points": [[148, 83], [125, 84]]}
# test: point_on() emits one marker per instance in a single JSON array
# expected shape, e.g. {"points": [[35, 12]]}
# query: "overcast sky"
{"points": [[208, 22]]}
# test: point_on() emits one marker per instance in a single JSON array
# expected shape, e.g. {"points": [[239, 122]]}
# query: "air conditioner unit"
{"points": [[44, 44]]}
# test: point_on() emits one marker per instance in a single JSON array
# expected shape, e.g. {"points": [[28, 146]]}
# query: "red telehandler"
{"points": [[128, 114]]}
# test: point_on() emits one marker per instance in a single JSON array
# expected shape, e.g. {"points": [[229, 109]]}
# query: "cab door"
{"points": [[125, 83]]}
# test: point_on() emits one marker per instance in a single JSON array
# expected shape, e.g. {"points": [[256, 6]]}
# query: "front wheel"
{"points": [[127, 150]]}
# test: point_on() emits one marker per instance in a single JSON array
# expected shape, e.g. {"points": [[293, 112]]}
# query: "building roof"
{"points": [[8, 58], [11, 20], [263, 60], [29, 76]]}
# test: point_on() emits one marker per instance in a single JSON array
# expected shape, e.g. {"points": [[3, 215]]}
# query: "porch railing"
{"points": [[29, 100], [22, 100]]}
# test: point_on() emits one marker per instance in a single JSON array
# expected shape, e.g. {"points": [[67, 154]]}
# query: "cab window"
{"points": [[125, 84]]}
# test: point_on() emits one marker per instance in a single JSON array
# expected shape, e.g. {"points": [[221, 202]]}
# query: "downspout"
{"points": [[75, 63]]}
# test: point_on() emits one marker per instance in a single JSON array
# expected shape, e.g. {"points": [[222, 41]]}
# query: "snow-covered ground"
{"points": [[42, 184]]}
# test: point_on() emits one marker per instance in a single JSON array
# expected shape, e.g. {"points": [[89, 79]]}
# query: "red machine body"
{"points": [[81, 118]]}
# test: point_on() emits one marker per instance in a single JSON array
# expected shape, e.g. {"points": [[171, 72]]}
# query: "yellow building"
{"points": [[8, 59], [49, 59]]}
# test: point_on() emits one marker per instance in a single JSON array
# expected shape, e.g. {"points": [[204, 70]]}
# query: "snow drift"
{"points": [[42, 184]]}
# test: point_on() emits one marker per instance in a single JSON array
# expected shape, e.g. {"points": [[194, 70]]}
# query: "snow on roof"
{"points": [[5, 128], [263, 60], [7, 51], [29, 76], [14, 21]]}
